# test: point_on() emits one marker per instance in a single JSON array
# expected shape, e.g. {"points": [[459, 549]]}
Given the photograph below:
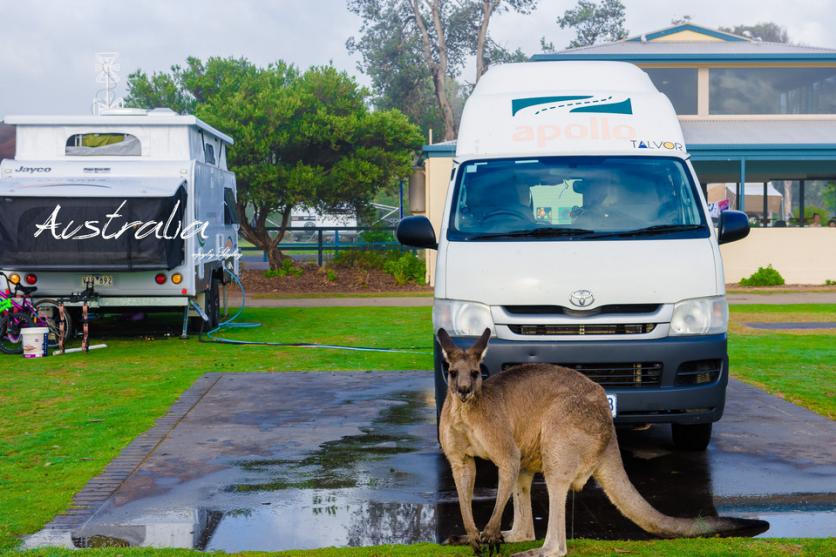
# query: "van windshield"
{"points": [[575, 198]]}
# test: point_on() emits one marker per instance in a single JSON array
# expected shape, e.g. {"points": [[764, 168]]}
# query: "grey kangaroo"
{"points": [[541, 418]]}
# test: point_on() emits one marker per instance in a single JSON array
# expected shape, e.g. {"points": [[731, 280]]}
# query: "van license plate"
{"points": [[613, 402], [103, 281]]}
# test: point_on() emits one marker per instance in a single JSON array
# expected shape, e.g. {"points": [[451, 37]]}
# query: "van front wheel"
{"points": [[691, 437]]}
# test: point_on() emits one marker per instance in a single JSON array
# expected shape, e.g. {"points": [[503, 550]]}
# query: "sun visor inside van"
{"points": [[77, 234]]}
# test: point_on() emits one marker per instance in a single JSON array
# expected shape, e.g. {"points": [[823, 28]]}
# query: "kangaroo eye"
{"points": [[453, 373], [474, 374]]}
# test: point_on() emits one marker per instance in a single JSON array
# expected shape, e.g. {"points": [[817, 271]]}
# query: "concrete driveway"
{"points": [[271, 461]]}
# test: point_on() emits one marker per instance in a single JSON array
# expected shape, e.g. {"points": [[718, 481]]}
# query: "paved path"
{"points": [[413, 301], [273, 461]]}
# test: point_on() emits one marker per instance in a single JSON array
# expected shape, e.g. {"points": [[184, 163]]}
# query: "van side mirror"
{"points": [[734, 225], [416, 232]]}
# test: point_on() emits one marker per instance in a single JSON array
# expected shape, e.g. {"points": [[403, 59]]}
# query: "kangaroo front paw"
{"points": [[492, 539]]}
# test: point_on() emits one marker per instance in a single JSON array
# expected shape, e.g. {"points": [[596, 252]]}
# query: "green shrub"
{"points": [[809, 211], [407, 268], [376, 236], [764, 276], [364, 258], [830, 282], [331, 275], [287, 269]]}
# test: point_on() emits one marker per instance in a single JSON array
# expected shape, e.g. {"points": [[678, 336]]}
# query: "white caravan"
{"points": [[575, 229], [135, 207]]}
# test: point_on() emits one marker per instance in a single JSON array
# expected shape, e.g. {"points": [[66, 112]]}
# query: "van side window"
{"points": [[209, 154], [103, 145], [230, 210]]}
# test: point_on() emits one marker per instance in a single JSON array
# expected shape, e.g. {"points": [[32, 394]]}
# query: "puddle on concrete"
{"points": [[340, 463], [376, 476]]}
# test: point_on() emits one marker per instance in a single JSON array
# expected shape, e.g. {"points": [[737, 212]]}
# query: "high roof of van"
{"points": [[567, 107], [563, 76], [120, 117]]}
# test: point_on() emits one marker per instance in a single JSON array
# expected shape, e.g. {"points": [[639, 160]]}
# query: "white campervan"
{"points": [[576, 230], [135, 207]]}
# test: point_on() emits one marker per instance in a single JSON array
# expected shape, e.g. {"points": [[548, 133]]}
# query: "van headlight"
{"points": [[700, 316], [460, 318]]}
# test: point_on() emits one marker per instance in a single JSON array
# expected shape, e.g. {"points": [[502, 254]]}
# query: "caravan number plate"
{"points": [[103, 281], [613, 402]]}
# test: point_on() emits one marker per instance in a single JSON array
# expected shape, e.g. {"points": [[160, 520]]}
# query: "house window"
{"points": [[680, 86], [103, 145], [772, 90]]}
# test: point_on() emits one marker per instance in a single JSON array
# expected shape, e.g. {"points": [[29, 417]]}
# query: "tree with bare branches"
{"points": [[437, 34]]}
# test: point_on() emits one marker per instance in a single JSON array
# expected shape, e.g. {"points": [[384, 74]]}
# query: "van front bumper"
{"points": [[667, 401]]}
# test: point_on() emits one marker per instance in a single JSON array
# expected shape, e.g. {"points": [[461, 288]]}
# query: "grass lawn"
{"points": [[59, 426], [796, 365]]}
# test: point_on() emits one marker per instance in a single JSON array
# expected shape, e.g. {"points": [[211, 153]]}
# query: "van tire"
{"points": [[691, 437]]}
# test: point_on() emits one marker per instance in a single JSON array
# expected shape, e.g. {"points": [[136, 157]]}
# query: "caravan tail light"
{"points": [[14, 278], [160, 278], [31, 278], [176, 278]]}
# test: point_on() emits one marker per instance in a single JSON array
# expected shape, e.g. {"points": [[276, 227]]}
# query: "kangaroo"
{"points": [[541, 418]]}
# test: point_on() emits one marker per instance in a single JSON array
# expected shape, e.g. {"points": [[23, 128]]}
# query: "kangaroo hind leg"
{"points": [[523, 528], [563, 467]]}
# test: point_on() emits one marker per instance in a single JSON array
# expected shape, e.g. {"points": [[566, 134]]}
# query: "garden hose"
{"points": [[231, 323]]}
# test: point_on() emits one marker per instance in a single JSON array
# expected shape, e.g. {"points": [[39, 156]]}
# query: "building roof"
{"points": [[695, 51], [695, 44], [690, 28]]}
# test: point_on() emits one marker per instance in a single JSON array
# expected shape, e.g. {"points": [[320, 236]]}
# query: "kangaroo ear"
{"points": [[446, 343], [480, 348]]}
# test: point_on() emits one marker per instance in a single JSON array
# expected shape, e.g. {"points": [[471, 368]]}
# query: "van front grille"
{"points": [[583, 329], [620, 309], [637, 374]]}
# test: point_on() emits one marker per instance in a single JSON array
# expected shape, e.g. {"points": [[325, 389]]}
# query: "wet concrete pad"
{"points": [[271, 461]]}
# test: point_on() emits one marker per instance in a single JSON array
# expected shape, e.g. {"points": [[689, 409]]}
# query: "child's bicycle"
{"points": [[18, 312]]}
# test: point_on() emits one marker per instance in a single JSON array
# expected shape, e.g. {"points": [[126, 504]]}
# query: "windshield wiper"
{"points": [[650, 230], [535, 232]]}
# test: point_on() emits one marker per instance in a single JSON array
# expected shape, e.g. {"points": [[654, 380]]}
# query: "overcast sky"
{"points": [[47, 48]]}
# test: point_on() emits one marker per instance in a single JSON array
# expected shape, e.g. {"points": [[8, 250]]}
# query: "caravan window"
{"points": [[209, 154], [103, 145], [230, 211]]}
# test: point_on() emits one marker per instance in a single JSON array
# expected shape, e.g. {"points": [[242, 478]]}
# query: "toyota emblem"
{"points": [[581, 298]]}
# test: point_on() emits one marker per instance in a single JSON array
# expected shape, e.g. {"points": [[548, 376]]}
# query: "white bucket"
{"points": [[35, 341]]}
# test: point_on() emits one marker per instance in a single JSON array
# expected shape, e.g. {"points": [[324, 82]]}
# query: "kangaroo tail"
{"points": [[612, 477]]}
